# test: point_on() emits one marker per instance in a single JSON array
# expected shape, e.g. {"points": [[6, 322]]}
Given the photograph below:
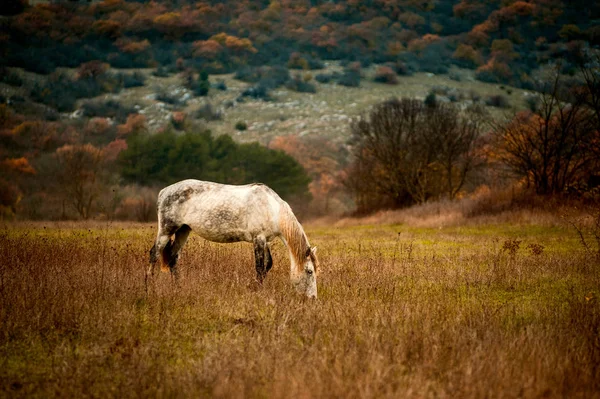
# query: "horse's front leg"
{"points": [[181, 236], [260, 256], [268, 259]]}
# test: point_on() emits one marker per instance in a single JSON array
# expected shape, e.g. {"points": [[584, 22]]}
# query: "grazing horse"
{"points": [[225, 213]]}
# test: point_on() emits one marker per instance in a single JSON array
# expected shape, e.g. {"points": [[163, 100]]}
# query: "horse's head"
{"points": [[305, 280]]}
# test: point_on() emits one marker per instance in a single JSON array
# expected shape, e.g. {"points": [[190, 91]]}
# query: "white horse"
{"points": [[225, 213]]}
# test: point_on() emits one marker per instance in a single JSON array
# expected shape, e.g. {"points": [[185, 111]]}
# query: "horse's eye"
{"points": [[309, 272]]}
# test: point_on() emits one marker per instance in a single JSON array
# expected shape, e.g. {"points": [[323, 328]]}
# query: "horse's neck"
{"points": [[294, 237]]}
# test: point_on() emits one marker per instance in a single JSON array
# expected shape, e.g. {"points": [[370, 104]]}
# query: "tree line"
{"points": [[503, 41]]}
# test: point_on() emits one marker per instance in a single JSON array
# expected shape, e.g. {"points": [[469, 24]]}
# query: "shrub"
{"points": [[107, 109], [304, 61], [431, 100], [208, 113], [454, 95], [498, 100], [403, 69], [178, 120], [454, 76], [324, 78], [314, 63], [475, 97], [200, 88], [161, 72], [170, 98], [266, 77], [241, 126], [533, 103], [299, 85], [91, 69], [10, 78], [57, 93], [350, 78], [486, 76], [275, 76], [385, 74], [297, 61], [258, 91], [220, 85], [248, 74], [136, 79]]}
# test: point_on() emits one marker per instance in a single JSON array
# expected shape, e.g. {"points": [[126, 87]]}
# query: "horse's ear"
{"points": [[314, 250], [308, 252]]}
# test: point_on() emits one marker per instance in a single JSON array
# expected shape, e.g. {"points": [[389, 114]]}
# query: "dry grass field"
{"points": [[490, 310]]}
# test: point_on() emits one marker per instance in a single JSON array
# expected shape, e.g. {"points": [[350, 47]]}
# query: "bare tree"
{"points": [[552, 147], [590, 70], [80, 175], [407, 152]]}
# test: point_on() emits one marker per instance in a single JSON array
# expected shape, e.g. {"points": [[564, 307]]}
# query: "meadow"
{"points": [[485, 310]]}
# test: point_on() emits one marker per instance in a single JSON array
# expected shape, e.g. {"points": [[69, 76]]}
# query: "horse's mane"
{"points": [[294, 236]]}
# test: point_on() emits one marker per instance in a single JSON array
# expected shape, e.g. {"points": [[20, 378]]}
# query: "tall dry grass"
{"points": [[431, 313], [513, 204]]}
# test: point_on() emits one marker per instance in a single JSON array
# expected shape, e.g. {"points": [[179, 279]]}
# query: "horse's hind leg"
{"points": [[181, 236], [262, 258]]}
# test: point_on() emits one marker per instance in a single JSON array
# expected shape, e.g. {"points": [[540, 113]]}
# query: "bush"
{"points": [[108, 109], [164, 71], [304, 61], [10, 78], [385, 74], [299, 85], [533, 103], [178, 120], [454, 76], [486, 76], [434, 58], [200, 88], [275, 76], [208, 113], [498, 100], [136, 79], [454, 95], [475, 97], [241, 126], [350, 78], [325, 78], [248, 74], [259, 91], [170, 98], [220, 85], [431, 100], [267, 77], [403, 69]]}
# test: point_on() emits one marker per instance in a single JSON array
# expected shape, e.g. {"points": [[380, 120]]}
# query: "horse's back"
{"points": [[220, 212]]}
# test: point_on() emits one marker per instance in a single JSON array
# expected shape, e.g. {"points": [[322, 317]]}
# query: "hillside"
{"points": [[88, 78]]}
